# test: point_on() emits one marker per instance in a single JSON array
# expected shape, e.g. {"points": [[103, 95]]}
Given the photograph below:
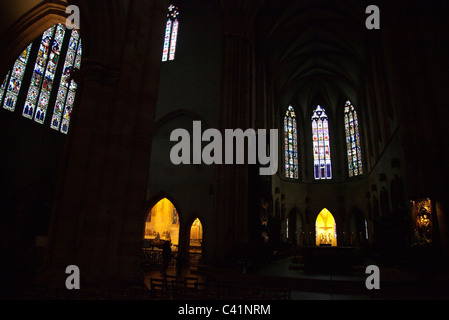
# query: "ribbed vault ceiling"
{"points": [[313, 50]]}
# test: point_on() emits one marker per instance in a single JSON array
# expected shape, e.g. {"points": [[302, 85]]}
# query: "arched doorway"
{"points": [[196, 242], [161, 225], [326, 229]]}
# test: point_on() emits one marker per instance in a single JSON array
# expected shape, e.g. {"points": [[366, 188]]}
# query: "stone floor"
{"points": [[395, 284], [287, 274]]}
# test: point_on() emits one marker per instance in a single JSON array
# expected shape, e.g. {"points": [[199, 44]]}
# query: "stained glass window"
{"points": [[171, 34], [321, 145], [175, 216], [67, 87], [354, 150], [56, 46], [49, 75], [366, 230], [3, 86], [15, 80], [291, 144], [38, 75]]}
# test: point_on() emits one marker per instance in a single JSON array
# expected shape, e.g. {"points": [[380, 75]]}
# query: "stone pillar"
{"points": [[237, 87], [98, 218]]}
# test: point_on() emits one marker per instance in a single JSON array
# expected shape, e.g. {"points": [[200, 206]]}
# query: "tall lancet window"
{"points": [[353, 147], [171, 34], [67, 86], [48, 63], [291, 144], [15, 81], [44, 74], [321, 145]]}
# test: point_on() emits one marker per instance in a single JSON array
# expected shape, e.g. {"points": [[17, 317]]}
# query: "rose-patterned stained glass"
{"points": [[67, 87], [171, 34], [291, 144], [353, 146], [15, 80], [321, 145]]}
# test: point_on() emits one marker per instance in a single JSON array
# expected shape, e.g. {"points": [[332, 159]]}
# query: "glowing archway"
{"points": [[326, 229], [196, 242], [162, 223], [196, 235]]}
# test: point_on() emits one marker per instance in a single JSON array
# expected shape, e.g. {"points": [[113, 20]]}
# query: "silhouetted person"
{"points": [[166, 257]]}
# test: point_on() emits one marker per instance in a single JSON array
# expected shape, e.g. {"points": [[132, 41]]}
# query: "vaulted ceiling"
{"points": [[314, 51]]}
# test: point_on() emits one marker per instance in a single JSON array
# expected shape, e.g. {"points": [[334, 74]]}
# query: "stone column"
{"points": [[237, 88], [98, 218]]}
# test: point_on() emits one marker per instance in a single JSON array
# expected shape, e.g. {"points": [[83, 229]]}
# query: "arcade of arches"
{"points": [[163, 225], [362, 119]]}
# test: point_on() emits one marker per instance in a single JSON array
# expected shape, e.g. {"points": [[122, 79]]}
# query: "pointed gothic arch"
{"points": [[162, 223], [325, 229], [196, 236]]}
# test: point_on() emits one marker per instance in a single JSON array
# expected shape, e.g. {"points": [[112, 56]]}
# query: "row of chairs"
{"points": [[153, 260], [167, 288], [193, 289]]}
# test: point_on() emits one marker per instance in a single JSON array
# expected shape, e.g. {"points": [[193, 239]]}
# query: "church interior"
{"points": [[86, 178]]}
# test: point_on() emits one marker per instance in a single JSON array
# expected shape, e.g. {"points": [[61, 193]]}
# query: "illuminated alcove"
{"points": [[196, 242], [162, 224], [326, 229], [196, 236]]}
